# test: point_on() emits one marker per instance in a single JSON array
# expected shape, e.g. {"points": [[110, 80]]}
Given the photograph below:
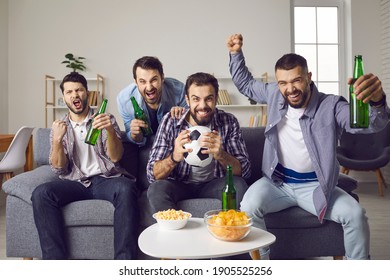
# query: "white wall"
{"points": [[3, 66], [366, 34], [187, 35]]}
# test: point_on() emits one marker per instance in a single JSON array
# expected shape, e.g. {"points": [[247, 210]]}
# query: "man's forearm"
{"points": [[58, 158], [163, 168], [114, 146], [226, 159]]}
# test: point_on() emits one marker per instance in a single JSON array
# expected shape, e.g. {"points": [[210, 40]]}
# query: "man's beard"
{"points": [[83, 107], [304, 96], [204, 121]]}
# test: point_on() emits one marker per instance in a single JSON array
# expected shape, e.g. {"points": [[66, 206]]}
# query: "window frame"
{"points": [[341, 36]]}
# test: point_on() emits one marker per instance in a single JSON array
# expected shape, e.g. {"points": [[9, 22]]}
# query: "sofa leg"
{"points": [[339, 258], [27, 259]]}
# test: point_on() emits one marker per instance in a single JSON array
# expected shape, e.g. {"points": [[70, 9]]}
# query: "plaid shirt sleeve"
{"points": [[163, 144], [233, 142]]}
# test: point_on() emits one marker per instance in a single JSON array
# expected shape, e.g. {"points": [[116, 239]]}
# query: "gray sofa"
{"points": [[89, 224]]}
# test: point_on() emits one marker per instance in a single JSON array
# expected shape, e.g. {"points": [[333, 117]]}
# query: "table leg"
{"points": [[255, 255]]}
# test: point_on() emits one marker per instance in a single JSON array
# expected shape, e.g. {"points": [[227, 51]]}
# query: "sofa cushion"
{"points": [[199, 206], [25, 183], [129, 159], [89, 213], [293, 217], [42, 146], [254, 141]]}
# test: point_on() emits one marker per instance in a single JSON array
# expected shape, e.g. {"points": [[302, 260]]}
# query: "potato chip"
{"points": [[229, 225]]}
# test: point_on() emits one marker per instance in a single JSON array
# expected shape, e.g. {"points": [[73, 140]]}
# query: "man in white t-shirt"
{"points": [[300, 167]]}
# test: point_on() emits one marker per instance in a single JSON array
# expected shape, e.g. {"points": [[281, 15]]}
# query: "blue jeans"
{"points": [[164, 194], [264, 197], [49, 198]]}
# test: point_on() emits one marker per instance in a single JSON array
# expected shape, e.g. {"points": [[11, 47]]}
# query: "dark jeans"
{"points": [[164, 194], [49, 198]]}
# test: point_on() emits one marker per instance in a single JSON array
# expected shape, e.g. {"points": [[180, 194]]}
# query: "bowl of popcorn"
{"points": [[172, 219], [228, 225]]}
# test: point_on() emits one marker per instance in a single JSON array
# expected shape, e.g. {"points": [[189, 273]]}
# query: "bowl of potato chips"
{"points": [[172, 219], [228, 225]]}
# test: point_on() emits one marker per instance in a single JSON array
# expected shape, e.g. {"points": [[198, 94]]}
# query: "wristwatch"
{"points": [[379, 103]]}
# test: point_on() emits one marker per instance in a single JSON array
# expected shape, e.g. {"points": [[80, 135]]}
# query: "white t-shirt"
{"points": [[88, 159], [292, 150]]}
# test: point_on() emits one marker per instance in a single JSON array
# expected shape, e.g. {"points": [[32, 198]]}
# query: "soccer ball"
{"points": [[196, 158]]}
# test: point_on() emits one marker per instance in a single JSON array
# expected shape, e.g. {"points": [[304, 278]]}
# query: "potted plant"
{"points": [[74, 62]]}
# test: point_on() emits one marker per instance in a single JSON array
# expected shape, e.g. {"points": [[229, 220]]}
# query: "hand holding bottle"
{"points": [[368, 87], [140, 115], [136, 127], [102, 121], [99, 122]]}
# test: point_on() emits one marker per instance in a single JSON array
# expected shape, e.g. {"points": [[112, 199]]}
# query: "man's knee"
{"points": [[157, 188], [126, 187], [39, 193]]}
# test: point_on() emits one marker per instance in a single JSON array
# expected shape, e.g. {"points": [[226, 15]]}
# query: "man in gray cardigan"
{"points": [[303, 126]]}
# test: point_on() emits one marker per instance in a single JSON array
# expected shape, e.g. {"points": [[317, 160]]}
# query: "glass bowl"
{"points": [[173, 223], [236, 228]]}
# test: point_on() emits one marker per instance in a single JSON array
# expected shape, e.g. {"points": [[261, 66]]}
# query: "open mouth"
{"points": [[203, 113], [151, 95], [77, 104], [294, 97]]}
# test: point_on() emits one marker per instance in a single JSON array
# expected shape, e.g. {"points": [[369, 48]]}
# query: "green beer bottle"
{"points": [[229, 191], [140, 115], [93, 133], [358, 111]]}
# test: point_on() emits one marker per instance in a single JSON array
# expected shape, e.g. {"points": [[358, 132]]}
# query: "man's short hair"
{"points": [[149, 63], [290, 61], [74, 77], [201, 79]]}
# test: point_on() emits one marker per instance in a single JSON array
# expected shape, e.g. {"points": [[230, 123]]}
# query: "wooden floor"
{"points": [[378, 212]]}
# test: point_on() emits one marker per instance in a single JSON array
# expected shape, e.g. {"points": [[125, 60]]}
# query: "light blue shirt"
{"points": [[172, 95], [322, 123]]}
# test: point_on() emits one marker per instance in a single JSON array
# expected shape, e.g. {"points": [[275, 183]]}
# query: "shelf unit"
{"points": [[247, 114], [54, 106]]}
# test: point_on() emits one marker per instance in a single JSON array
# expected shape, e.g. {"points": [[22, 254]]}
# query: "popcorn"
{"points": [[172, 214]]}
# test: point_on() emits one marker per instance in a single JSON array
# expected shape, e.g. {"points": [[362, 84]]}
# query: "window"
{"points": [[317, 31]]}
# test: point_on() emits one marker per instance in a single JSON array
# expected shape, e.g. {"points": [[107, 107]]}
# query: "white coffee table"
{"points": [[195, 242]]}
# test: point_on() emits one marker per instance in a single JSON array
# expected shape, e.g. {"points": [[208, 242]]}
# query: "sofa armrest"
{"points": [[347, 183], [22, 185]]}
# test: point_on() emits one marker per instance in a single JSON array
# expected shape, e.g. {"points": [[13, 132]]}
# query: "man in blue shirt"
{"points": [[300, 167], [155, 94]]}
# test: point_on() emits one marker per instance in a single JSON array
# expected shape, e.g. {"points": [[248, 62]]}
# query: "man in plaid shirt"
{"points": [[172, 179], [86, 172]]}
